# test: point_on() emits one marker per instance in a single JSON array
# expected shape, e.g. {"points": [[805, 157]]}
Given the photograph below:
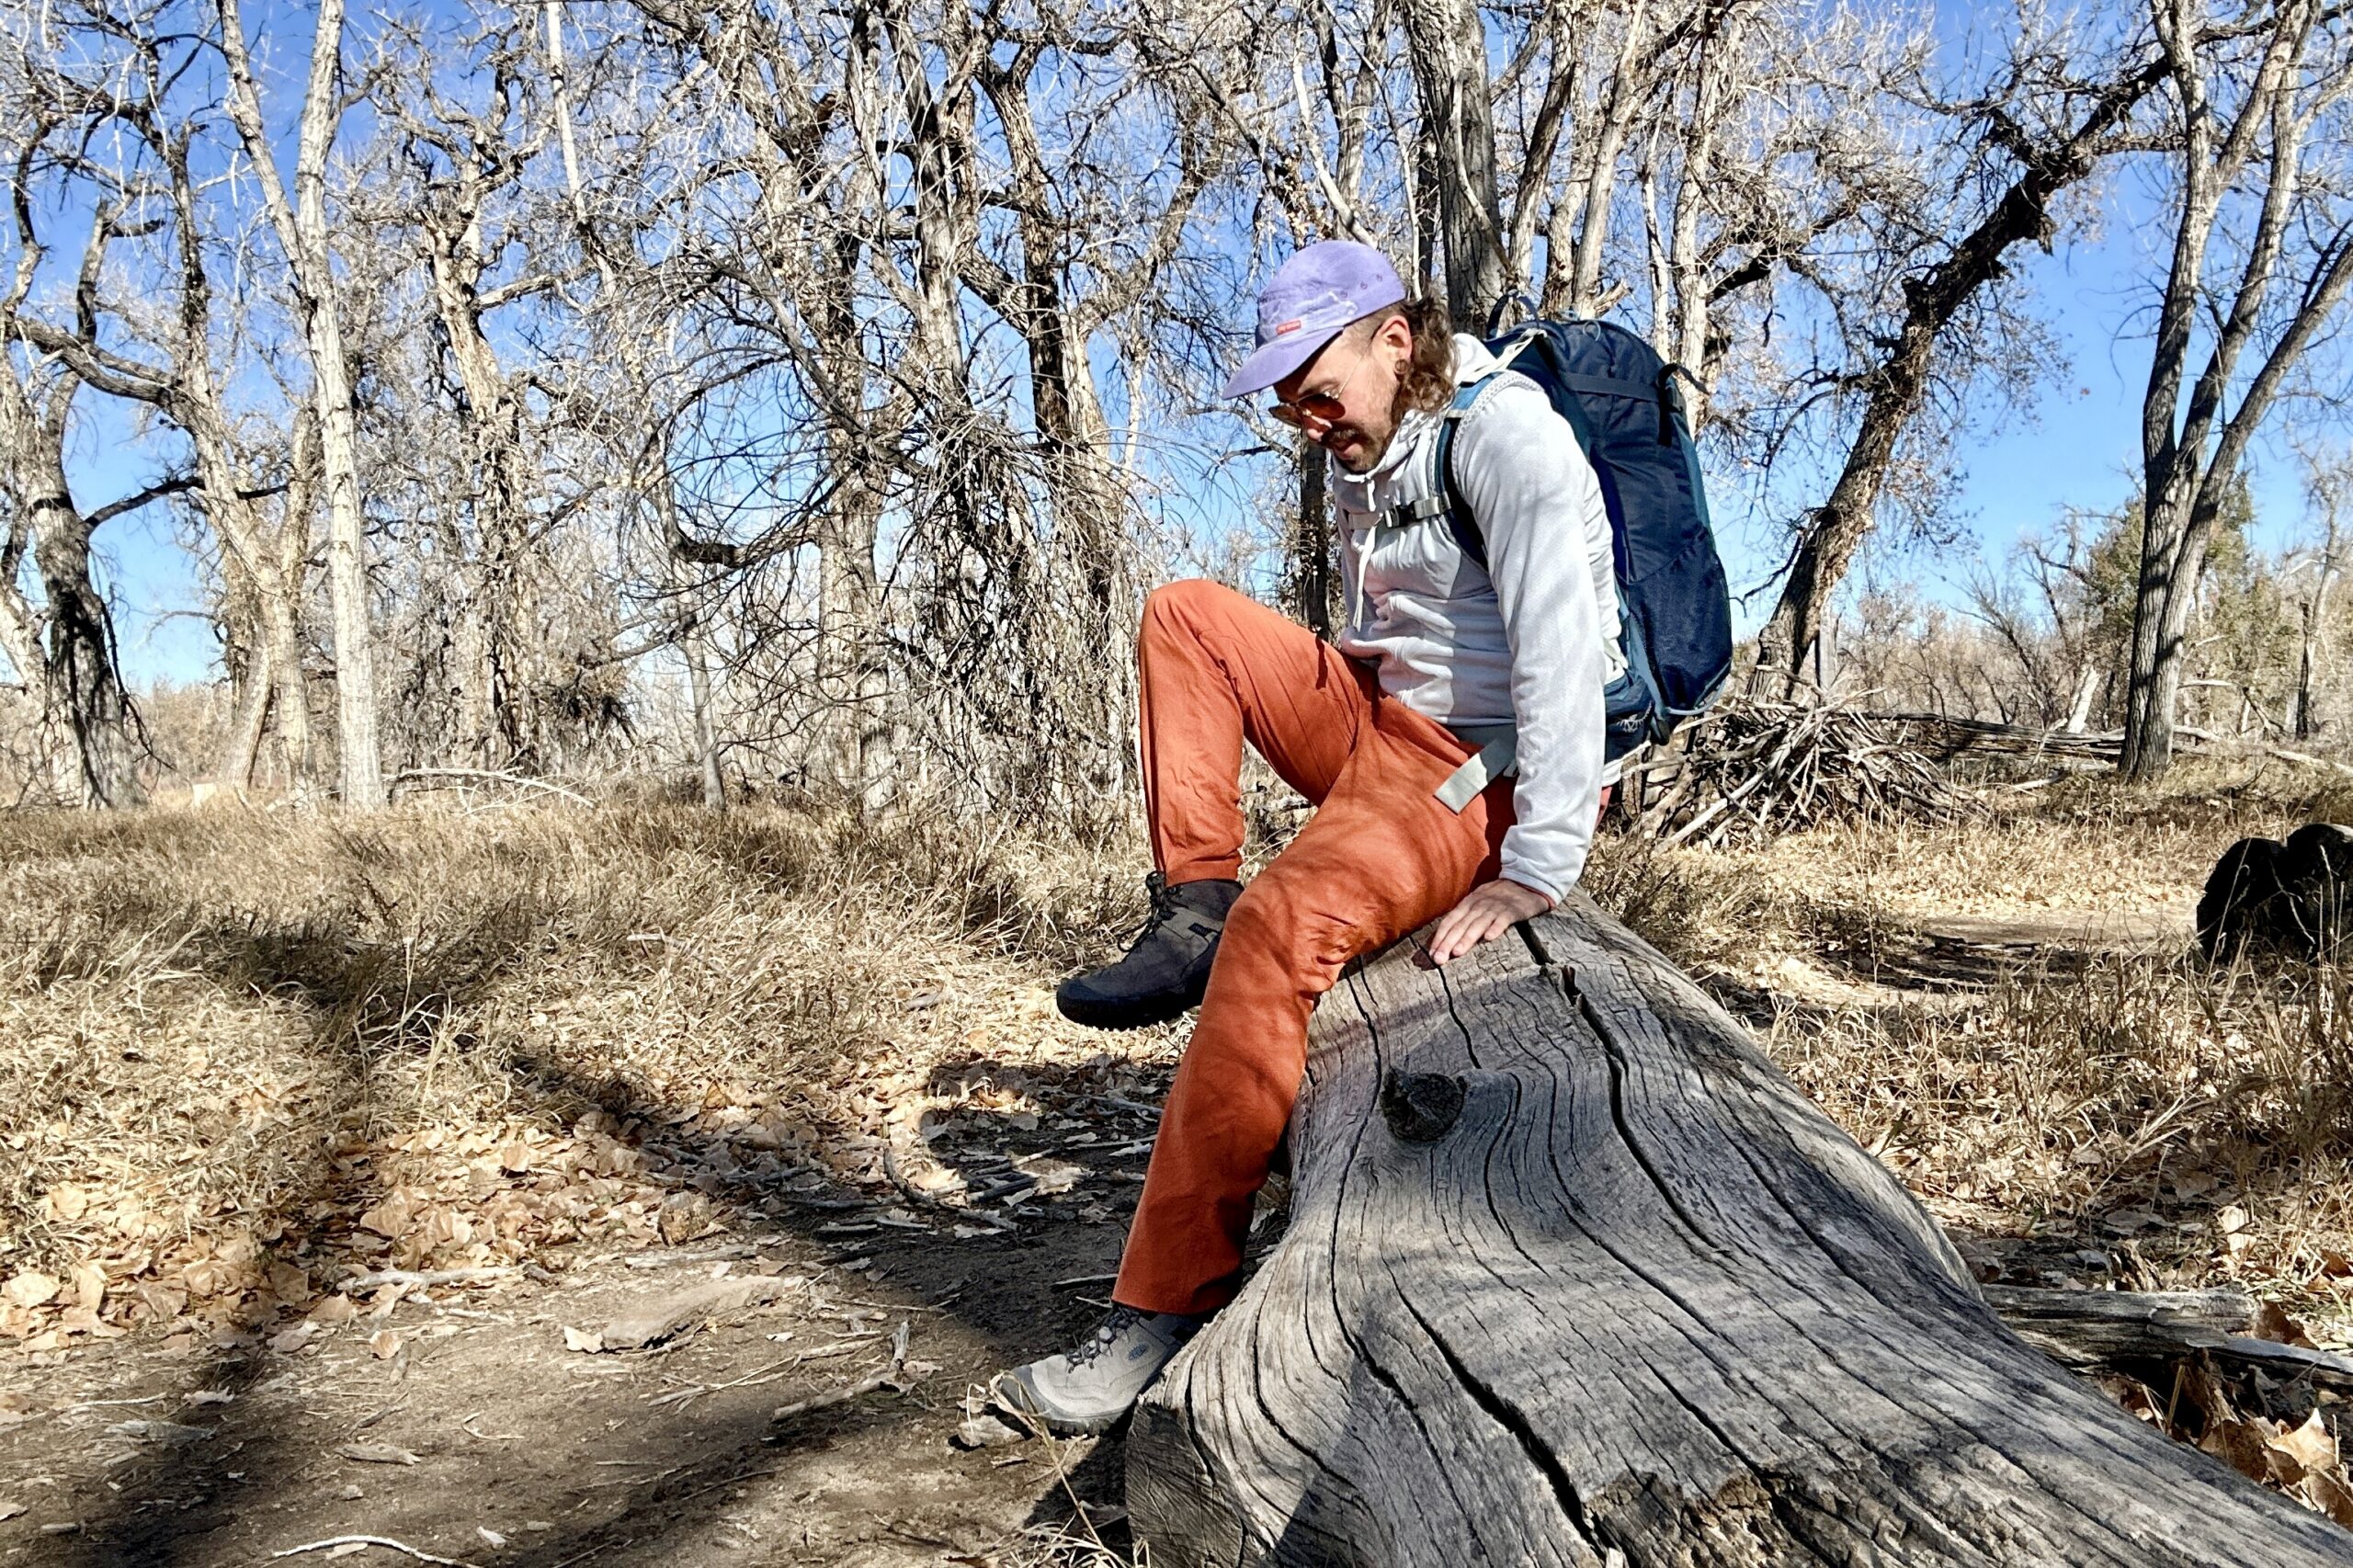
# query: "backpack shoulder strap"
{"points": [[1459, 520]]}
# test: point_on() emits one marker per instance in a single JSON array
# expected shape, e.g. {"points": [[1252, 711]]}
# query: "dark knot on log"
{"points": [[1420, 1106]]}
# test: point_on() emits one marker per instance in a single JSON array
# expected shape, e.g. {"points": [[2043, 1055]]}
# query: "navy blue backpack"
{"points": [[1674, 611]]}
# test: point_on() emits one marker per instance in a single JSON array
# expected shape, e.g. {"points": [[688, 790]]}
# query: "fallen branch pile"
{"points": [[1755, 769]]}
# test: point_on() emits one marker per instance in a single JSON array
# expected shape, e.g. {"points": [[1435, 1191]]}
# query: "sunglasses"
{"points": [[1322, 408]]}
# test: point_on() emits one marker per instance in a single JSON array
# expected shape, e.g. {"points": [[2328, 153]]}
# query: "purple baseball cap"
{"points": [[1307, 304]]}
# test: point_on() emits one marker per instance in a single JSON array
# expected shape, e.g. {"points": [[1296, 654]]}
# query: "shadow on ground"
{"points": [[508, 1432]]}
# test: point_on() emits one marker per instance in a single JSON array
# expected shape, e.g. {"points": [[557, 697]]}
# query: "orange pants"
{"points": [[1381, 858]]}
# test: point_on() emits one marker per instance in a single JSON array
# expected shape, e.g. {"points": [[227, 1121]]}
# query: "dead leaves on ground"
{"points": [[441, 1198], [2251, 1424], [497, 1197]]}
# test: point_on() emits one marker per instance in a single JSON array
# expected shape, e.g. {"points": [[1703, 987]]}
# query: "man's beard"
{"points": [[1373, 450], [1365, 453]]}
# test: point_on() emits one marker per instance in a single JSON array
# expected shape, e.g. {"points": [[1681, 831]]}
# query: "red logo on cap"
{"points": [[1288, 328]]}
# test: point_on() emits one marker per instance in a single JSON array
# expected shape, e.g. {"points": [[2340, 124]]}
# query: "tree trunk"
{"points": [[248, 719], [301, 227], [2316, 627], [1310, 586], [1626, 93], [495, 634], [84, 683], [2173, 563], [2079, 712], [1573, 1276], [1448, 44], [714, 780], [24, 711]]}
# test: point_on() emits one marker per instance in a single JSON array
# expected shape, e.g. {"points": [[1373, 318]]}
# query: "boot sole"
{"points": [[1081, 1428], [1012, 1394], [1124, 1015]]}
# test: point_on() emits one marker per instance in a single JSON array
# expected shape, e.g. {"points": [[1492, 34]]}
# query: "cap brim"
{"points": [[1278, 359]]}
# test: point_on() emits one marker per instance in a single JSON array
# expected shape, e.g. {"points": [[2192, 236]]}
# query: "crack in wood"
{"points": [[1615, 1051], [1574, 1512]]}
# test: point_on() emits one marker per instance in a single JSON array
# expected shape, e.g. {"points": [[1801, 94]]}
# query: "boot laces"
{"points": [[1164, 907], [1114, 1328]]}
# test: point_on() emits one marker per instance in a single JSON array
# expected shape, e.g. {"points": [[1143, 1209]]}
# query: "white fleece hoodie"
{"points": [[1528, 642]]}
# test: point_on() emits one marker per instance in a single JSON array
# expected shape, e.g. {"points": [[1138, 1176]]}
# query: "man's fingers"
{"points": [[1464, 928], [1442, 938], [1484, 915]]}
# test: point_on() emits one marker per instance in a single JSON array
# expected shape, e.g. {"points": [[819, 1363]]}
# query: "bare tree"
{"points": [[301, 223], [159, 348], [2083, 119], [79, 683], [2256, 100], [2329, 484]]}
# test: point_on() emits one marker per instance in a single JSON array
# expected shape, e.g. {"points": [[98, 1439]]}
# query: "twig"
{"points": [[428, 1278], [487, 777], [848, 1391], [1136, 1106], [387, 1542], [2284, 755], [938, 1205], [908, 1189], [1054, 1452]]}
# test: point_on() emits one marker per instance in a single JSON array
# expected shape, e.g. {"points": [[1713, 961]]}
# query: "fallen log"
{"points": [[2115, 1330], [1573, 1276]]}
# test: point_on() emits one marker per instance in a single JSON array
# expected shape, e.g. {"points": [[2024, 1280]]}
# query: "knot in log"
{"points": [[1420, 1106]]}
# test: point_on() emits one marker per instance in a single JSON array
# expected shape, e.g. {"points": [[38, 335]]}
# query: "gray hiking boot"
{"points": [[1167, 966], [1090, 1388]]}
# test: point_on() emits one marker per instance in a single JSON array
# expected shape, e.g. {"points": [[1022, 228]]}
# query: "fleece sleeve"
{"points": [[1534, 496]]}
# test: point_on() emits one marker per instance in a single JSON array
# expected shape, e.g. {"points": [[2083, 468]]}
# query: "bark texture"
{"points": [[1574, 1275], [1447, 51]]}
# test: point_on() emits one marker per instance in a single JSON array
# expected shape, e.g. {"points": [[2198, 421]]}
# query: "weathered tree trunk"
{"points": [[714, 779], [1573, 1276], [248, 720], [85, 686], [301, 227], [500, 605]]}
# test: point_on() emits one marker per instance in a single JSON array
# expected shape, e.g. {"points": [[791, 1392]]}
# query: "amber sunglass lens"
{"points": [[1319, 407]]}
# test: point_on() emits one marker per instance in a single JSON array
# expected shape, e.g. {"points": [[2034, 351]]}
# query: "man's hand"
{"points": [[1492, 909]]}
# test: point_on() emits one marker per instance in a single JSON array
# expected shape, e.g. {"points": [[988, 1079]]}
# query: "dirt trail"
{"points": [[485, 1422]]}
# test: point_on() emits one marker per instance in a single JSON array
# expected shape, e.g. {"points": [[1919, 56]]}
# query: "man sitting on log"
{"points": [[1451, 743]]}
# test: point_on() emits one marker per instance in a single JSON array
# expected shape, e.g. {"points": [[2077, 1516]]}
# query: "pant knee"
{"points": [[1264, 921], [1276, 937], [1185, 603]]}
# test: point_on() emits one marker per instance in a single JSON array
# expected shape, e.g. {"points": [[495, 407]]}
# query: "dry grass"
{"points": [[229, 1035], [2129, 1115]]}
